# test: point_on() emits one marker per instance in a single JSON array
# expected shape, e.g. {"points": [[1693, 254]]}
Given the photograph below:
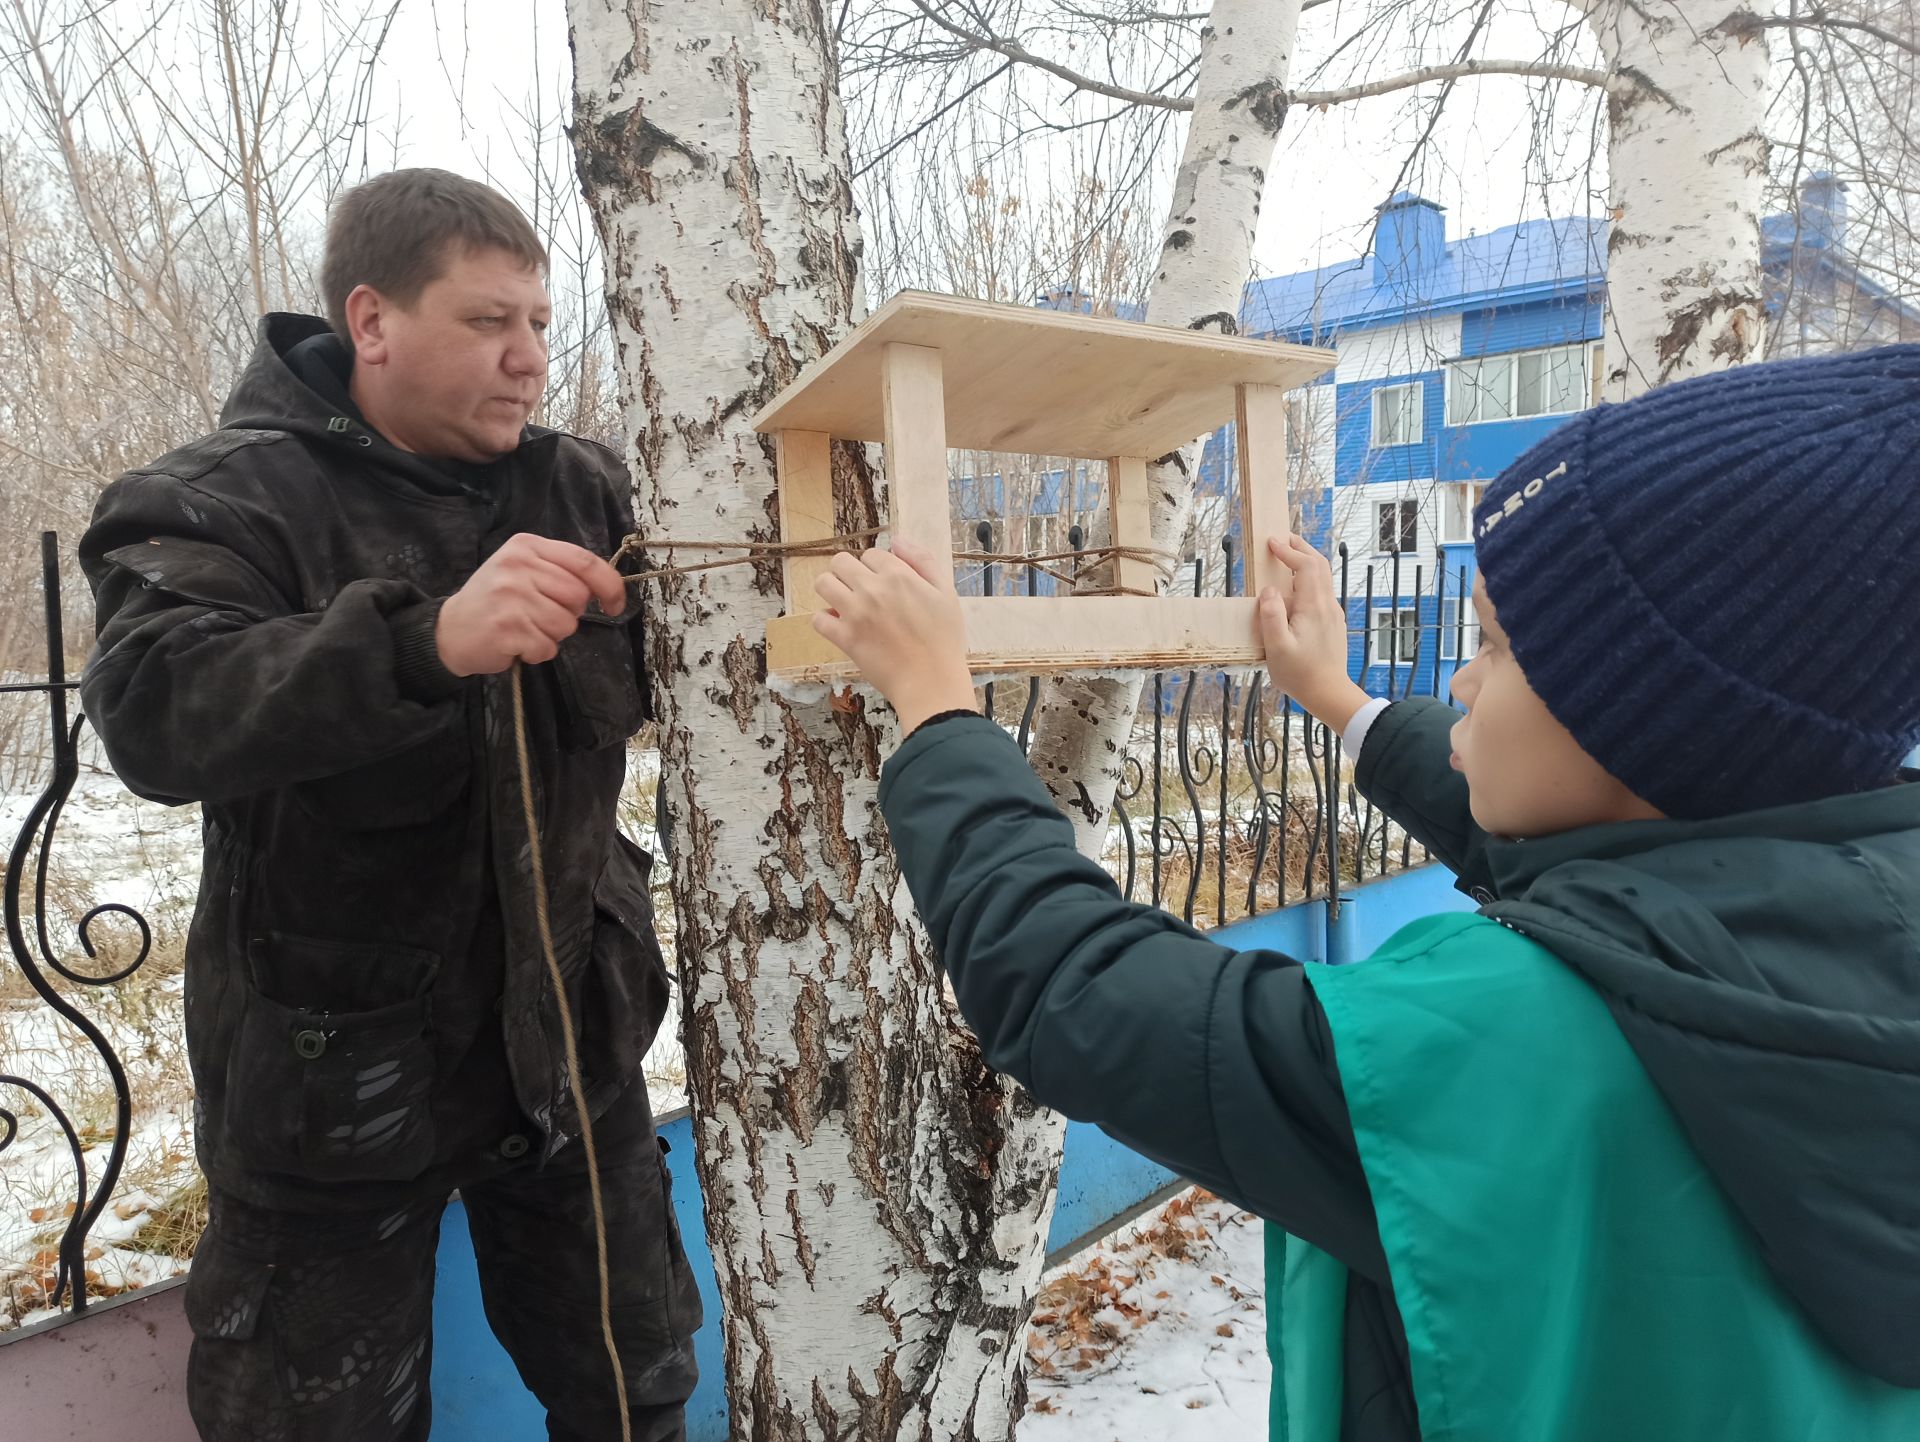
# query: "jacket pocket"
{"points": [[626, 950], [226, 1291], [331, 1075], [600, 696]]}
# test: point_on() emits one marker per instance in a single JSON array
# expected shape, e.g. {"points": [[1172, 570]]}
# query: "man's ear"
{"points": [[367, 315]]}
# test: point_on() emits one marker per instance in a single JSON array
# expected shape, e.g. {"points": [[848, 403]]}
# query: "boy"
{"points": [[1630, 1154]]}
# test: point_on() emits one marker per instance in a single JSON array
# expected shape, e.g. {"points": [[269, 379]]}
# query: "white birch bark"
{"points": [[1082, 728], [1687, 157], [876, 1200]]}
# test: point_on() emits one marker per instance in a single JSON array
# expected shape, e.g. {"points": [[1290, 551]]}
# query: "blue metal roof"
{"points": [[1534, 259]]}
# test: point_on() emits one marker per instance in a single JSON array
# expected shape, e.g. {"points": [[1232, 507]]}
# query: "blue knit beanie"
{"points": [[1716, 587]]}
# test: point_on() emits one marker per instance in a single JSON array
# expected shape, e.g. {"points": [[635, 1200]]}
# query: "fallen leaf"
{"points": [[1044, 1404], [1225, 1329], [1196, 1403]]}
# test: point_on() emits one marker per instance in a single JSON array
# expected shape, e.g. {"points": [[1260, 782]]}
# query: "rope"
{"points": [[1162, 561], [573, 1049]]}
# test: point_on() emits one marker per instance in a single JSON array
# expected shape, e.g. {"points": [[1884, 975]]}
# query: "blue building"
{"points": [[1456, 355]]}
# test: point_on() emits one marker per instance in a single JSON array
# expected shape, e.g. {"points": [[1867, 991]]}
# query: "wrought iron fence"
{"points": [[1232, 802], [34, 953]]}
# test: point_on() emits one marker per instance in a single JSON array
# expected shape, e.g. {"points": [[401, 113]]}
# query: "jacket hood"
{"points": [[296, 381], [1765, 969]]}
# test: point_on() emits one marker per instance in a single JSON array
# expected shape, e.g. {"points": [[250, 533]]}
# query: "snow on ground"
{"points": [[1158, 1331]]}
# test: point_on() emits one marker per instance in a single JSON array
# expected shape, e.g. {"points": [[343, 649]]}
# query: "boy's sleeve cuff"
{"points": [[1354, 738]]}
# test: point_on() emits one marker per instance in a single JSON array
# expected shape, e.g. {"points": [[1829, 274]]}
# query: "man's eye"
{"points": [[488, 319], [541, 326]]}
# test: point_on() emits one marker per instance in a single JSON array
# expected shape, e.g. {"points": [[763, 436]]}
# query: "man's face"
{"points": [[459, 372], [1526, 775]]}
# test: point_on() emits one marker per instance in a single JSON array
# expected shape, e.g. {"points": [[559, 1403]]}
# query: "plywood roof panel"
{"points": [[1042, 382]]}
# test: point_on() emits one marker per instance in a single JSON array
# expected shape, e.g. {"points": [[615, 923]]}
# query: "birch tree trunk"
{"points": [[1687, 158], [876, 1199], [1082, 728]]}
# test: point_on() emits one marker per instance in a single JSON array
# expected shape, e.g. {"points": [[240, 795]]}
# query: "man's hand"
{"points": [[522, 603], [895, 613], [1307, 641]]}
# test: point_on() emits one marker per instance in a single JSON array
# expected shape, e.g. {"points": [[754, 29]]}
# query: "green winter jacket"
{"points": [[1761, 968]]}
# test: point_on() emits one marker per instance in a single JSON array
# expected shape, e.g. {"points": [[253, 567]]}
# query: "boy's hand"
{"points": [[1307, 641], [525, 599], [895, 613]]}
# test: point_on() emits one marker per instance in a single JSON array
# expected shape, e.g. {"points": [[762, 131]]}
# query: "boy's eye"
{"points": [[540, 326], [488, 320]]}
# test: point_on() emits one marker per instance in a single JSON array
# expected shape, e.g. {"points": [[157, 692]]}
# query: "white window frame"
{"points": [[1457, 642], [1409, 398], [1398, 629], [1457, 501], [1399, 506], [1459, 370]]}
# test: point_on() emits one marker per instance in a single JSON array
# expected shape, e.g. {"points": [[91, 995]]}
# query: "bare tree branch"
{"points": [[1461, 70], [1013, 50], [1745, 22]]}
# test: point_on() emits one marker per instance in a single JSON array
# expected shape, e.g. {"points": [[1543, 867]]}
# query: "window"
{"points": [[1396, 415], [1043, 536], [1396, 635], [1399, 526], [1299, 420], [1457, 500], [1458, 642], [1552, 382]]}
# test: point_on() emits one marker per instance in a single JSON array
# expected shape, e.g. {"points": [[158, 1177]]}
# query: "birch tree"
{"points": [[1687, 161], [876, 1199]]}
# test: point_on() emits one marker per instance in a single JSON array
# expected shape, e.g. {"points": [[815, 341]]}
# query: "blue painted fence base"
{"points": [[477, 1394]]}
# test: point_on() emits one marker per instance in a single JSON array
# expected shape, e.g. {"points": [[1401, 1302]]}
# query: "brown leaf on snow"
{"points": [[1195, 1403], [1043, 1404], [1225, 1329]]}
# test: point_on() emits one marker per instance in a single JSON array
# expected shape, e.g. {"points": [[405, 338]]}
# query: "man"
{"points": [[305, 623]]}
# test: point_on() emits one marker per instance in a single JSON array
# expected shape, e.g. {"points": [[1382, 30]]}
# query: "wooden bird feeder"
{"points": [[928, 372]]}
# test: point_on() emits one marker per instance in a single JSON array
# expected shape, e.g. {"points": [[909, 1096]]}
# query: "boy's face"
{"points": [[1526, 775]]}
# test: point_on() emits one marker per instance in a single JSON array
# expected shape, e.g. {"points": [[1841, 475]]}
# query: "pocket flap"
{"points": [[316, 974], [201, 572], [226, 1292]]}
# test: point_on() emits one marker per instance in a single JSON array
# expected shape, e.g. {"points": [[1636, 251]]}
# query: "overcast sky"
{"points": [[1332, 170]]}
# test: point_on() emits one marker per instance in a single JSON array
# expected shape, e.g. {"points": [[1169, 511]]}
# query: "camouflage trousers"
{"points": [[319, 1327]]}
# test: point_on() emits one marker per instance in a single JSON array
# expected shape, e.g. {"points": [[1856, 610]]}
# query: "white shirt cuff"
{"points": [[1355, 736]]}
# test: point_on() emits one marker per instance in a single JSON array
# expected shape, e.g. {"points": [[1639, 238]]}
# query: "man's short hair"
{"points": [[398, 231]]}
